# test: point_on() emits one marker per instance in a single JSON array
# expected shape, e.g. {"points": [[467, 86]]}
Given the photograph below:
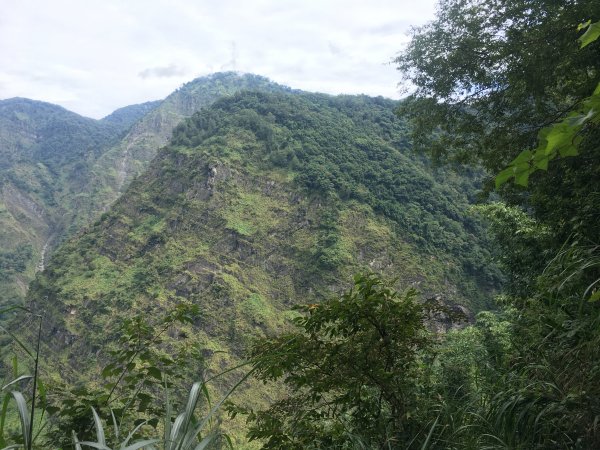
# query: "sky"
{"points": [[95, 56]]}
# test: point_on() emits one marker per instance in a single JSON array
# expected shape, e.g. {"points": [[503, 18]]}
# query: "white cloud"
{"points": [[93, 57]]}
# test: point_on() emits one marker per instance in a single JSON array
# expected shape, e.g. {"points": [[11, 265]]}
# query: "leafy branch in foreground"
{"points": [[131, 380], [562, 138]]}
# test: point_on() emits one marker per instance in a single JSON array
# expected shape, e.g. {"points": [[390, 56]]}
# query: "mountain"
{"points": [[130, 156], [59, 171], [128, 115], [44, 150], [259, 202]]}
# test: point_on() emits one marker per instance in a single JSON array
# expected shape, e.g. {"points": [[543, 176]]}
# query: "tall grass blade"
{"points": [[175, 431], [24, 417], [425, 445], [76, 441], [95, 445], [215, 408], [3, 419], [168, 414], [99, 429], [35, 382], [114, 419], [18, 341], [135, 430], [207, 440], [142, 444]]}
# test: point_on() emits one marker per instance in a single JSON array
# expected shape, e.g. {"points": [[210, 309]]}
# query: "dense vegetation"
{"points": [[238, 217], [44, 156], [513, 86], [263, 200]]}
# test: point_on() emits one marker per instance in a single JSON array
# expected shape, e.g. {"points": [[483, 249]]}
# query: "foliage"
{"points": [[45, 157], [562, 138], [352, 369], [509, 74], [186, 432], [521, 245], [351, 149], [490, 74], [15, 261], [132, 379]]}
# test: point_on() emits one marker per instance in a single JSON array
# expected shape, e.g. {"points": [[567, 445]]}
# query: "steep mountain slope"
{"points": [[59, 170], [262, 201], [44, 151], [129, 158], [128, 115]]}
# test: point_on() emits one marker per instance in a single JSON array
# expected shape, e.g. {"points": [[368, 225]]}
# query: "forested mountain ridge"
{"points": [[261, 201], [128, 115], [129, 158]]}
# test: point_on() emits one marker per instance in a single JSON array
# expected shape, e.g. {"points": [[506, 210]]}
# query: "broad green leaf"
{"points": [[570, 150], [594, 297], [584, 25], [592, 33], [542, 162], [582, 118], [522, 178], [108, 370], [524, 156], [504, 176], [155, 372], [560, 135]]}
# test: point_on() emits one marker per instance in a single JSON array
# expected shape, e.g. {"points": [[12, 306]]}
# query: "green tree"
{"points": [[354, 371], [491, 77], [489, 74]]}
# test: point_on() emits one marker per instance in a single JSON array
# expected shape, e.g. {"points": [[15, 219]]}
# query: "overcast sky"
{"points": [[95, 56]]}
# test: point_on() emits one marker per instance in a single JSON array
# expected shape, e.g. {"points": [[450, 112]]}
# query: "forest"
{"points": [[286, 252]]}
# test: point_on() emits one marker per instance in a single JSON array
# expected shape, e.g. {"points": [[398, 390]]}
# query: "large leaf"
{"points": [[592, 33], [504, 176]]}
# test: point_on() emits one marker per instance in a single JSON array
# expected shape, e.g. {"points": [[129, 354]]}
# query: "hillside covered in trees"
{"points": [[260, 202], [341, 272]]}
